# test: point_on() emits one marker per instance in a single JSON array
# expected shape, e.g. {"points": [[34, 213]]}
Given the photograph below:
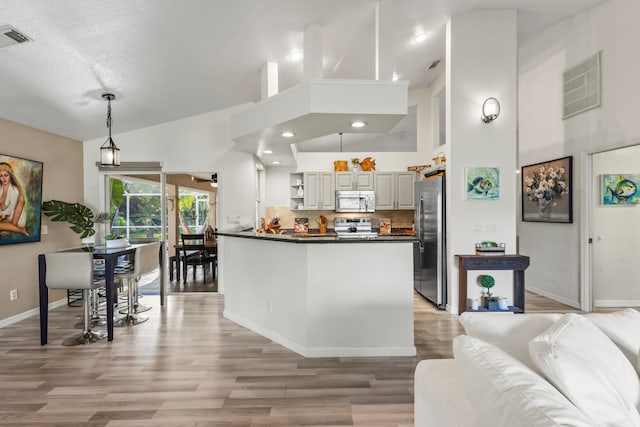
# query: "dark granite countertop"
{"points": [[329, 237]]}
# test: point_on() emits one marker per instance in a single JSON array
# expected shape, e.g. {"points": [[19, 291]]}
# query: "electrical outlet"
{"points": [[13, 294]]}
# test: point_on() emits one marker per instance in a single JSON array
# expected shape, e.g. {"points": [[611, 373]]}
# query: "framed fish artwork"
{"points": [[547, 191], [483, 183], [620, 189]]}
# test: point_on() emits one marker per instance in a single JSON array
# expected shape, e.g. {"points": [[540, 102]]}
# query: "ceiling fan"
{"points": [[213, 181]]}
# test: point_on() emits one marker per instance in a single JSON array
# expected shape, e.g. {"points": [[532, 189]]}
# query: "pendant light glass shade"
{"points": [[109, 152]]}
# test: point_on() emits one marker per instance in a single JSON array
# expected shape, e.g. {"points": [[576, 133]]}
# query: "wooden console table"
{"points": [[517, 263]]}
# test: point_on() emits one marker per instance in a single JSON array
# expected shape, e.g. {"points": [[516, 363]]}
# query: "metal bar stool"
{"points": [[145, 261], [74, 270]]}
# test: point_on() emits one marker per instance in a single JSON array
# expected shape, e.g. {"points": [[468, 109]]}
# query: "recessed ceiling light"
{"points": [[295, 56], [287, 134], [276, 162], [420, 37], [268, 151], [358, 124]]}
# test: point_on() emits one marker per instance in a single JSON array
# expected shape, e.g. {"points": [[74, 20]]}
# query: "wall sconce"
{"points": [[490, 110], [109, 153]]}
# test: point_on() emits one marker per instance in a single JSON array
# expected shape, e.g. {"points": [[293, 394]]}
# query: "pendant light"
{"points": [[109, 153]]}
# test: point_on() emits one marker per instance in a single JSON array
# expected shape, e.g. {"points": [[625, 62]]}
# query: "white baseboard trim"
{"points": [[616, 303], [29, 313], [452, 309], [552, 296], [361, 351], [267, 333], [320, 351]]}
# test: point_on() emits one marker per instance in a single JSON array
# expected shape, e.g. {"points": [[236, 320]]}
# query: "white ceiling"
{"points": [[170, 59]]}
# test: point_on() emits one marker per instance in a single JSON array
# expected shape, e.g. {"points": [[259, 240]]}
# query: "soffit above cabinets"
{"points": [[319, 107]]}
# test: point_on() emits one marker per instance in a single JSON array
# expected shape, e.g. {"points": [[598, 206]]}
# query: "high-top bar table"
{"points": [[110, 256]]}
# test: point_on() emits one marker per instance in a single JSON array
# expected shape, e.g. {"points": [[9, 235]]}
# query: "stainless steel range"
{"points": [[354, 228]]}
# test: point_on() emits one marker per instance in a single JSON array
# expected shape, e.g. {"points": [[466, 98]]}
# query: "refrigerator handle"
{"points": [[417, 223]]}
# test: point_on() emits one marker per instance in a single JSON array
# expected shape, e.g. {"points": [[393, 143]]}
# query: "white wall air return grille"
{"points": [[582, 90], [10, 35]]}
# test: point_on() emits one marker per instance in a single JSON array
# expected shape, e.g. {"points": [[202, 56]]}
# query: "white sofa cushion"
{"points": [[509, 332], [439, 396], [585, 365], [623, 328], [504, 392]]}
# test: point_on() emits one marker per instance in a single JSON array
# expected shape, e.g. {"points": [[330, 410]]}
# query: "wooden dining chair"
{"points": [[195, 253]]}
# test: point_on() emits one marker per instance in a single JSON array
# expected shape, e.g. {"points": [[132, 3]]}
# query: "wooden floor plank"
{"points": [[188, 366]]}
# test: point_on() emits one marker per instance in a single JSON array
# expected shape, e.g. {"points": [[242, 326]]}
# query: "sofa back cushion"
{"points": [[623, 328], [509, 332], [506, 393], [588, 368]]}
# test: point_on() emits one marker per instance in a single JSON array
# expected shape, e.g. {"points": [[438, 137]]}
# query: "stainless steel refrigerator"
{"points": [[429, 252]]}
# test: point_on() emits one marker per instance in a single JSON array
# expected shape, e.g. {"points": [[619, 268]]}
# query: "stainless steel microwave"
{"points": [[355, 201]]}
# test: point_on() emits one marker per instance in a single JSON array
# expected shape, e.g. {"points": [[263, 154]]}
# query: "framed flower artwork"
{"points": [[547, 191]]}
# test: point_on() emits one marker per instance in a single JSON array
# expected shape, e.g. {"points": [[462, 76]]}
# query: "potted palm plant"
{"points": [[80, 218]]}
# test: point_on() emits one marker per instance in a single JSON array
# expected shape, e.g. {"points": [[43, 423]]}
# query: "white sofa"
{"points": [[535, 370]]}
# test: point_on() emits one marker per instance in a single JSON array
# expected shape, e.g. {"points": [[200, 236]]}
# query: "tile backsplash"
{"points": [[399, 218]]}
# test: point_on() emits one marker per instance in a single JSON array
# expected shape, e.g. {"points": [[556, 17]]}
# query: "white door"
{"points": [[615, 229]]}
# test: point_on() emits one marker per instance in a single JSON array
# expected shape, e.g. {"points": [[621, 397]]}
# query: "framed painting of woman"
{"points": [[20, 200]]}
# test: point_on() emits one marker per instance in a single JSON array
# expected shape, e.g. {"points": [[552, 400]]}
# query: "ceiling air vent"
{"points": [[582, 87], [9, 35]]}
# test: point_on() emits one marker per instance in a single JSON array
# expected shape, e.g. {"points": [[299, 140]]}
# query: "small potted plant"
{"points": [[322, 224], [355, 163], [488, 282], [115, 241]]}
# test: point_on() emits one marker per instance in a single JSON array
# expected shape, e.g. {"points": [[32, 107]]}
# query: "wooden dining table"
{"points": [[110, 257], [211, 247]]}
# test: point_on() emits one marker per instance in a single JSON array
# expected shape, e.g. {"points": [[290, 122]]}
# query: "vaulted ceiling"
{"points": [[169, 59]]}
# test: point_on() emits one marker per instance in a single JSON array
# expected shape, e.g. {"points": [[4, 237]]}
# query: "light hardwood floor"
{"points": [[188, 366]]}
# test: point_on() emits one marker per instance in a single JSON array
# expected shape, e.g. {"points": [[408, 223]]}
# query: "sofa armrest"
{"points": [[439, 398]]}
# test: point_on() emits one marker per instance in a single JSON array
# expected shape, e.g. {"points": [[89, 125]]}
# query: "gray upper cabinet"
{"points": [[354, 180], [384, 190], [405, 188], [394, 190], [320, 188]]}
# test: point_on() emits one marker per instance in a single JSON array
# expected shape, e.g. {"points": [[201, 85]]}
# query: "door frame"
{"points": [[586, 222], [142, 168]]}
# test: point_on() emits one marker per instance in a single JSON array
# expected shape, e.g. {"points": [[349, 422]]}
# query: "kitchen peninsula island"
{"points": [[321, 296]]}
